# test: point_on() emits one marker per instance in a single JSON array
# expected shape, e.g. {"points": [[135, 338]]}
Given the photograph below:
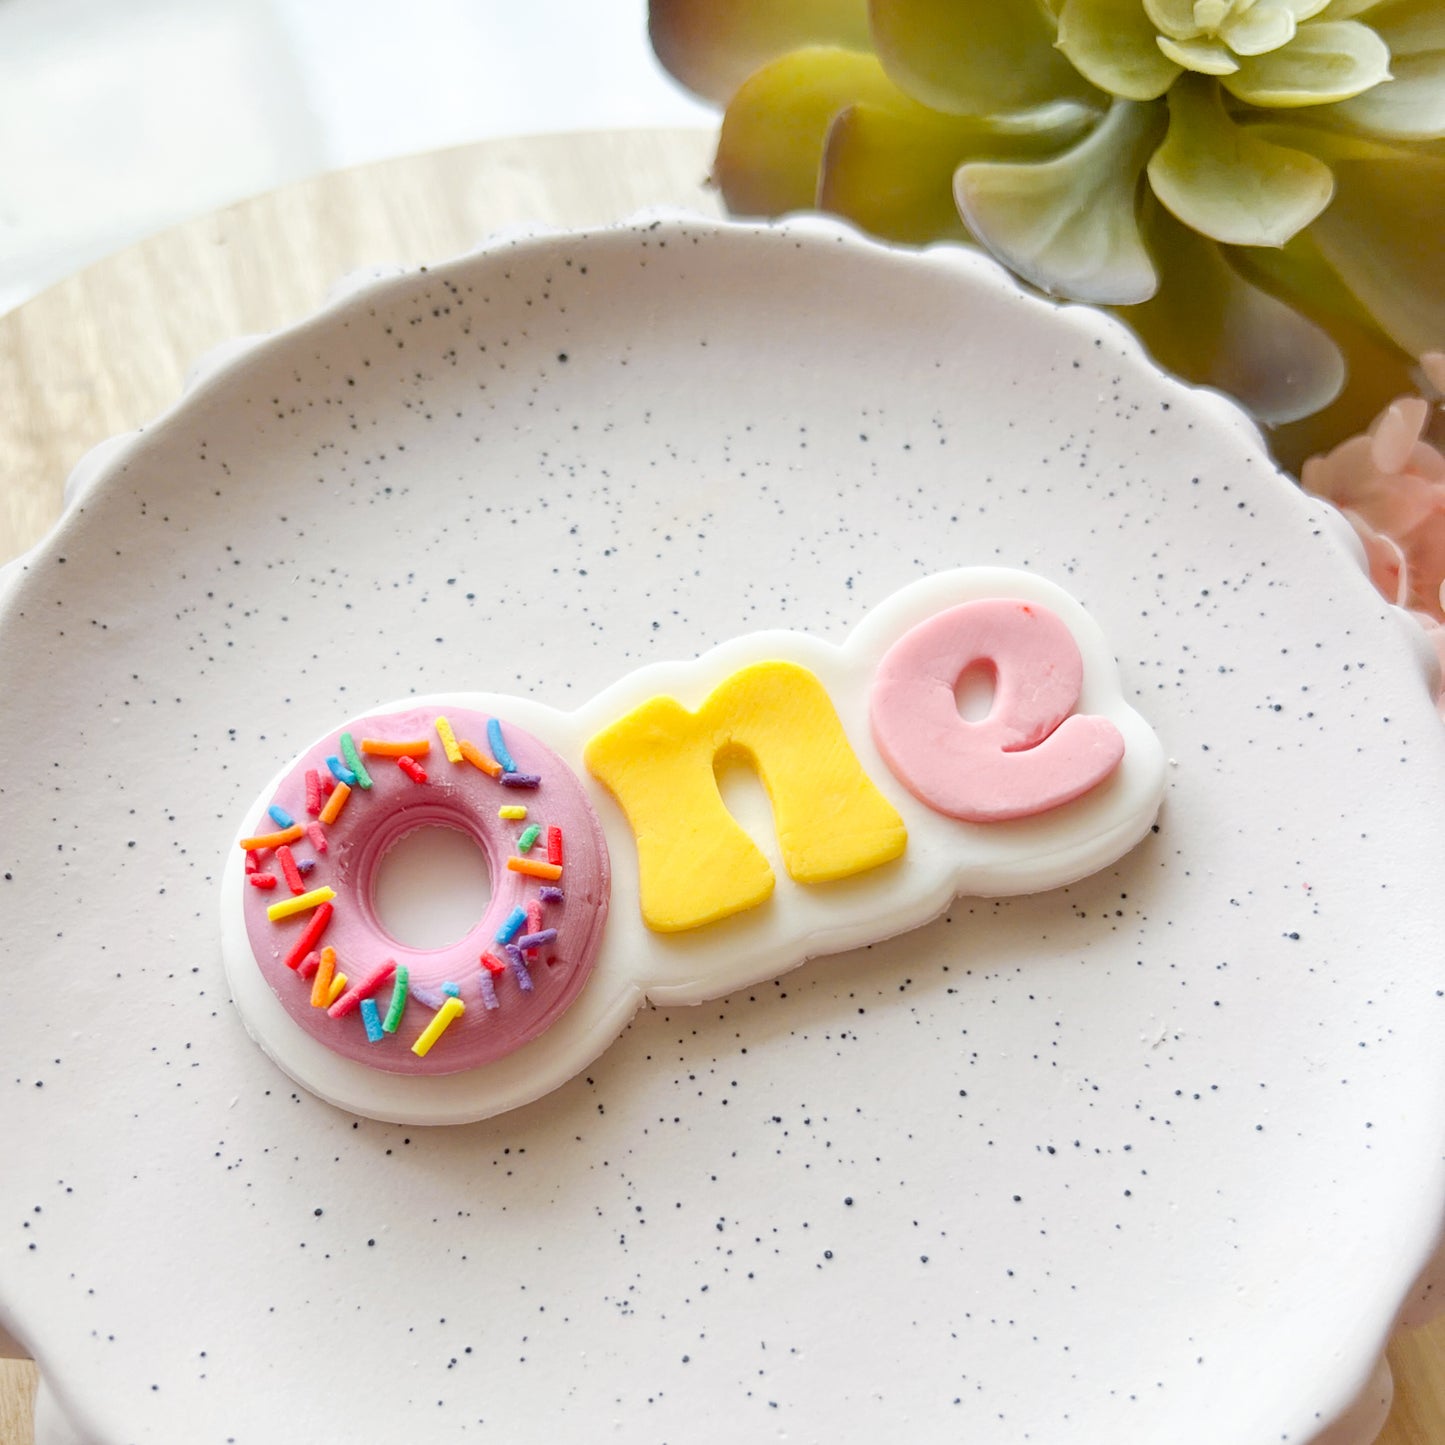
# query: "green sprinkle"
{"points": [[398, 1002], [353, 761], [529, 837]]}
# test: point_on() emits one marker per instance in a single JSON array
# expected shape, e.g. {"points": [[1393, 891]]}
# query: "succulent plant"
{"points": [[1256, 186]]}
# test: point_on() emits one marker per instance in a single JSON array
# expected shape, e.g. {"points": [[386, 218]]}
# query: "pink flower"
{"points": [[1390, 485]]}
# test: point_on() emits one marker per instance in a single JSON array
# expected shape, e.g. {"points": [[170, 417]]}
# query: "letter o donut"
{"points": [[508, 994]]}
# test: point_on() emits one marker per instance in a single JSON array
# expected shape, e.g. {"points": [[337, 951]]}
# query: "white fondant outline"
{"points": [[945, 858]]}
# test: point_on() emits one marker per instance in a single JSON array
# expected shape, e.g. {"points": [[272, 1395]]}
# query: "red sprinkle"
{"points": [[309, 965], [253, 860], [412, 769], [534, 923], [289, 870], [317, 834], [313, 792], [364, 987], [262, 880], [326, 782], [554, 846], [308, 940], [493, 965]]}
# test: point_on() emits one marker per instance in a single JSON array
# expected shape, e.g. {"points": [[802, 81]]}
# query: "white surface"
{"points": [[1155, 1157], [117, 119]]}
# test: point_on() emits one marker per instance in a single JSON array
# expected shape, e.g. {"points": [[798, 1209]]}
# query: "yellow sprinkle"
{"points": [[273, 840], [338, 985], [335, 803], [452, 1008], [512, 813], [379, 748], [449, 740], [325, 972], [300, 903], [534, 869], [478, 759]]}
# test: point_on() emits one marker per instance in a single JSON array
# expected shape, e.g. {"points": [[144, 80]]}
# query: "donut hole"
{"points": [[431, 886], [974, 690]]}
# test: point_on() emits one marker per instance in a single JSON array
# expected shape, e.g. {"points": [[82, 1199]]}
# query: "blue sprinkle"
{"points": [[370, 1019], [452, 990], [513, 926], [537, 940], [341, 772], [281, 817], [498, 747], [519, 967], [521, 780], [489, 990], [548, 894]]}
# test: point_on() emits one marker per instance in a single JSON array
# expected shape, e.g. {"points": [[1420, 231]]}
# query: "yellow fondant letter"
{"points": [[695, 863]]}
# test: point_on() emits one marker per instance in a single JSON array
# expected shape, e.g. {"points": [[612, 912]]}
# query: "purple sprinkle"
{"points": [[549, 894], [305, 865], [489, 990], [522, 780], [428, 997], [519, 967], [537, 940]]}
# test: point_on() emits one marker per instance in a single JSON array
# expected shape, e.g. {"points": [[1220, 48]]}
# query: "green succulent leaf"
{"points": [[1328, 60], [712, 46], [1382, 235], [974, 57], [1210, 325], [1264, 27], [1068, 225], [1233, 185], [770, 149], [1412, 105], [1173, 18], [1207, 57], [1114, 44]]}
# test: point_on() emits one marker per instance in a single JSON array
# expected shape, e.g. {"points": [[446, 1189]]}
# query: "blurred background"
{"points": [[121, 117]]}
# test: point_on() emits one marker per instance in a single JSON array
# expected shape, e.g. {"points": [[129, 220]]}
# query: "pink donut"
{"points": [[509, 993]]}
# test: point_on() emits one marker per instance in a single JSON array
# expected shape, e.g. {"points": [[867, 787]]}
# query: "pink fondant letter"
{"points": [[1029, 754]]}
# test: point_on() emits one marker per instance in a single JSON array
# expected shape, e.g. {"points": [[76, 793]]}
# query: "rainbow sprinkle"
{"points": [[311, 936], [512, 813], [554, 845], [378, 748], [281, 817], [335, 803], [364, 988], [272, 840], [521, 780], [340, 771], [325, 973], [262, 880], [551, 895], [537, 940], [513, 925], [373, 1023], [519, 967], [338, 985], [313, 792], [489, 990], [300, 903], [412, 768], [353, 762], [529, 836], [478, 759], [289, 871], [398, 1001], [316, 834], [534, 869], [441, 1021], [498, 745], [449, 740]]}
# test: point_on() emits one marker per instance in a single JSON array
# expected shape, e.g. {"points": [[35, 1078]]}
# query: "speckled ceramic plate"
{"points": [[1156, 1157]]}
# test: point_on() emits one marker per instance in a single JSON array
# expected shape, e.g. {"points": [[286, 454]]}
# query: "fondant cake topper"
{"points": [[623, 870]]}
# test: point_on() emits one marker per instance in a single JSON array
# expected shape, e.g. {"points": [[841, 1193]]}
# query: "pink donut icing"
{"points": [[455, 795], [1028, 755]]}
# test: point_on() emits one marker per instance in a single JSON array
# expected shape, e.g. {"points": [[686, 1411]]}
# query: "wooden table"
{"points": [[108, 349]]}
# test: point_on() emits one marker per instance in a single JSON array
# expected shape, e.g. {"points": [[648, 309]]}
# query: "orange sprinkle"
{"points": [[273, 840], [534, 869], [379, 748], [325, 972], [335, 803], [478, 759]]}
